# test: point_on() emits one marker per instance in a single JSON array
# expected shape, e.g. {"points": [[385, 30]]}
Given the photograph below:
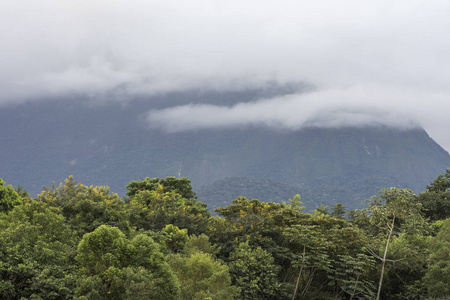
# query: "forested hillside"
{"points": [[109, 144], [74, 241]]}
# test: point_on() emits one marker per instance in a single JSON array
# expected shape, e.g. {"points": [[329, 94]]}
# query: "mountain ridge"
{"points": [[111, 145]]}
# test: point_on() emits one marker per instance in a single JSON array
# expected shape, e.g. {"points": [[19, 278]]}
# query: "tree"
{"points": [[437, 278], [153, 210], [114, 267], [350, 275], [256, 280], [260, 223], [338, 210], [293, 238], [174, 238], [410, 255], [312, 245], [37, 251], [201, 275], [181, 186], [436, 199], [86, 207], [394, 211], [8, 197]]}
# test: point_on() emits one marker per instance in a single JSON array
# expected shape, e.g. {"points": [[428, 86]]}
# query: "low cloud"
{"points": [[389, 56], [148, 47], [331, 108], [325, 108]]}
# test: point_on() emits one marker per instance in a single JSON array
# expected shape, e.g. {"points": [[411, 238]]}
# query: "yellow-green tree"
{"points": [[86, 207], [201, 275]]}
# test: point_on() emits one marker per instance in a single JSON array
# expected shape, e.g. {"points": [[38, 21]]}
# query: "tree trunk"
{"points": [[383, 261], [299, 273]]}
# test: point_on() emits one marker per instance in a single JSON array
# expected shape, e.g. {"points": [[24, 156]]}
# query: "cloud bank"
{"points": [[149, 47], [362, 55], [324, 108]]}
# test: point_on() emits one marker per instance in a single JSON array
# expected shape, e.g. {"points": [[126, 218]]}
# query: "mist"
{"points": [[372, 63]]}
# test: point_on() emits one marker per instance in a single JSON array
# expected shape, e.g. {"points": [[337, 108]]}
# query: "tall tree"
{"points": [[394, 211]]}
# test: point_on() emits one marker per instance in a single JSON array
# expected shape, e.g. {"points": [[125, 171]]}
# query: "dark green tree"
{"points": [[254, 271], [436, 199], [437, 278], [8, 197], [37, 251], [338, 210]]}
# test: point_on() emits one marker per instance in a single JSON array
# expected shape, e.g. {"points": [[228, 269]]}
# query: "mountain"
{"points": [[110, 144]]}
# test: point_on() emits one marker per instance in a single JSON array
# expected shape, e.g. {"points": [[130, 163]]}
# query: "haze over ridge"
{"points": [[384, 56]]}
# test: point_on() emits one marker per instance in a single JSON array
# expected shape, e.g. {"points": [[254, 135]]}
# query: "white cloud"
{"points": [[395, 49], [325, 108]]}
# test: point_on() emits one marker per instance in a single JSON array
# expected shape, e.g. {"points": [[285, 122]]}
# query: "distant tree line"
{"points": [[74, 241]]}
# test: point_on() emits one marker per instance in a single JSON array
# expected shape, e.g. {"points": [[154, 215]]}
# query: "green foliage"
{"points": [[322, 210], [200, 274], [154, 203], [175, 238], [103, 248], [296, 203], [22, 192], [86, 208], [437, 278], [394, 211], [37, 251], [8, 197], [338, 210], [118, 268], [153, 210], [260, 223], [310, 256], [436, 199], [349, 276], [75, 242], [200, 243], [254, 271], [441, 183], [302, 245], [396, 207], [409, 256], [181, 186]]}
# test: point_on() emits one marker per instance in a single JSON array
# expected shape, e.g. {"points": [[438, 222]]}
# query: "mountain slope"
{"points": [[111, 145]]}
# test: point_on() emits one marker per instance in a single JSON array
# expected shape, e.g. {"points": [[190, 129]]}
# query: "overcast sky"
{"points": [[370, 61]]}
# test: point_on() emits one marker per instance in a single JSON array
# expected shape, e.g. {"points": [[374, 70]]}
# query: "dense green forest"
{"points": [[159, 242]]}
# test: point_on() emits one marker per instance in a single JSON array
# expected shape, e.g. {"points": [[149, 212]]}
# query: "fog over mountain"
{"points": [[383, 56], [113, 144], [326, 109]]}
